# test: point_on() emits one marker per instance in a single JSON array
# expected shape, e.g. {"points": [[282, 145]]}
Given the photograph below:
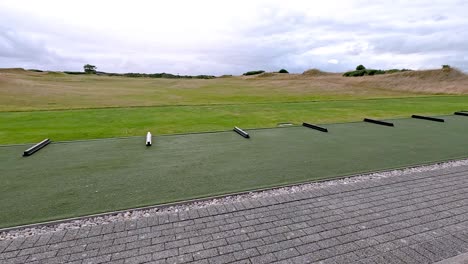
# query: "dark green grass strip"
{"points": [[86, 177]]}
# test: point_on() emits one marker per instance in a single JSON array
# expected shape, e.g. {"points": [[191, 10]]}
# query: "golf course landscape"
{"points": [[98, 162]]}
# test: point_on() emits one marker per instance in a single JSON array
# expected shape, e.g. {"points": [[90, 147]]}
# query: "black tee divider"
{"points": [[241, 132], [378, 122], [461, 113], [36, 147], [315, 127], [428, 118]]}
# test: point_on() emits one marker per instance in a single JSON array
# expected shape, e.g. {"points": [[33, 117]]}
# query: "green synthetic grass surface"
{"points": [[23, 127], [78, 178]]}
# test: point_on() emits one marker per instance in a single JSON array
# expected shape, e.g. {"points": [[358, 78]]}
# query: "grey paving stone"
{"points": [[202, 261], [425, 253], [391, 259], [246, 253], [245, 261], [183, 258], [125, 254], [263, 259], [350, 257], [165, 254], [83, 255], [328, 243], [42, 255], [308, 248], [56, 260], [29, 251], [138, 244], [98, 244], [286, 253], [237, 238], [415, 256], [15, 244], [152, 249], [112, 249], [17, 260], [191, 248], [215, 243], [71, 250], [97, 260], [274, 238], [5, 243], [221, 259], [252, 243], [207, 253]]}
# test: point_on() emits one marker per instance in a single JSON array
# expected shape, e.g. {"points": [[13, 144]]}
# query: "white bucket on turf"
{"points": [[148, 139]]}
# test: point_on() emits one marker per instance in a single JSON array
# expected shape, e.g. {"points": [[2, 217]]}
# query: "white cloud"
{"points": [[220, 37]]}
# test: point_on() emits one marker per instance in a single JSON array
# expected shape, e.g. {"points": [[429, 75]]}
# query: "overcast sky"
{"points": [[231, 37]]}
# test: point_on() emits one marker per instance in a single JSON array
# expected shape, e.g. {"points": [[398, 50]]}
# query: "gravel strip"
{"points": [[139, 213]]}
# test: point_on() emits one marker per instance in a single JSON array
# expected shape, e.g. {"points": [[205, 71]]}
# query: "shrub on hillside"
{"points": [[392, 71], [374, 72], [364, 72], [360, 67], [314, 72], [396, 70], [354, 73], [253, 73], [283, 71]]}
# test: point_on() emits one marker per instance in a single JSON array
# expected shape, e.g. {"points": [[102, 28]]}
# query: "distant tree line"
{"points": [[159, 75], [147, 75], [91, 69], [259, 72], [252, 73]]}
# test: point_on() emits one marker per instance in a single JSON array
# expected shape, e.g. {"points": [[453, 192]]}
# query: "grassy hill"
{"points": [[123, 106], [22, 90]]}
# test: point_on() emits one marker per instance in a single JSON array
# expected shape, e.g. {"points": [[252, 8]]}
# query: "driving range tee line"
{"points": [[428, 118], [241, 132], [378, 122], [315, 127], [36, 147], [461, 113]]}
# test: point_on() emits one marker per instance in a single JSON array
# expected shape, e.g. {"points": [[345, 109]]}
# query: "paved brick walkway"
{"points": [[416, 218]]}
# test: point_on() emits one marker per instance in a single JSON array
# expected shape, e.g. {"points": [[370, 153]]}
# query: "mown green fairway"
{"points": [[22, 127], [68, 179]]}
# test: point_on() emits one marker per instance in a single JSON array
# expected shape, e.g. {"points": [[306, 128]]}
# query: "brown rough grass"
{"points": [[28, 90], [439, 81]]}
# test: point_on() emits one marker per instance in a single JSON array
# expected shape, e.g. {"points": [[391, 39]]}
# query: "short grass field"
{"points": [[67, 179], [98, 162], [23, 127]]}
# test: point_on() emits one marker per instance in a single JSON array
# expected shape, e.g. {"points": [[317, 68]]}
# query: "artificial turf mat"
{"points": [[67, 179]]}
